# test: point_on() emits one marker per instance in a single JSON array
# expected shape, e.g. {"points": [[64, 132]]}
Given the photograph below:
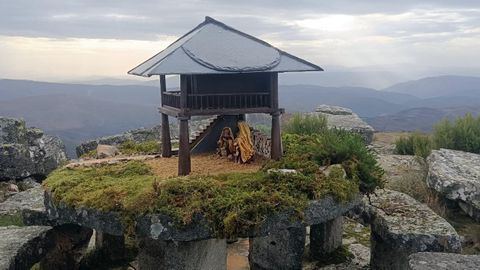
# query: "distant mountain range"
{"points": [[78, 112]]}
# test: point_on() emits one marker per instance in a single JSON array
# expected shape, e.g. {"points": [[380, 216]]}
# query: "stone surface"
{"points": [[21, 247], [28, 206], [343, 118], [325, 237], [110, 247], [334, 110], [443, 261], [402, 226], [281, 250], [108, 222], [27, 152], [106, 151], [193, 255], [70, 245], [161, 227], [456, 175]]}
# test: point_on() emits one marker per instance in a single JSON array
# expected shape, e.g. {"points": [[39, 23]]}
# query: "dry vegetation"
{"points": [[208, 164]]}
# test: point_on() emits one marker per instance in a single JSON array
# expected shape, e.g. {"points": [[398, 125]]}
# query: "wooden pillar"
{"points": [[184, 164], [276, 138], [166, 140]]}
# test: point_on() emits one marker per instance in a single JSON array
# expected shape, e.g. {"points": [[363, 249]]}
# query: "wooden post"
{"points": [[184, 163], [276, 138], [166, 140]]}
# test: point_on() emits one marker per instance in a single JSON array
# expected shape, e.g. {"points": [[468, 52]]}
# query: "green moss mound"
{"points": [[230, 202]]}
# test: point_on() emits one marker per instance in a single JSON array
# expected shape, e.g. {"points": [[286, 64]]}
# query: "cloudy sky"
{"points": [[73, 40]]}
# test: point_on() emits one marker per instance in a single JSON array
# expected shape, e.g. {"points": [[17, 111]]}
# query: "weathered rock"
{"points": [[107, 222], [402, 226], [137, 135], [22, 247], [70, 244], [398, 167], [110, 248], [193, 255], [281, 250], [106, 151], [162, 227], [456, 175], [26, 208], [343, 118], [443, 261], [334, 110], [27, 152], [325, 238]]}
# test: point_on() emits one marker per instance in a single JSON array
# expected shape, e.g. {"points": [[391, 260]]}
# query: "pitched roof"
{"points": [[213, 47]]}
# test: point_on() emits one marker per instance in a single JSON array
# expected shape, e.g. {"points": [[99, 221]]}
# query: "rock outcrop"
{"points": [[137, 135], [25, 208], [344, 118], [401, 226], [27, 152], [443, 261], [21, 247], [456, 175]]}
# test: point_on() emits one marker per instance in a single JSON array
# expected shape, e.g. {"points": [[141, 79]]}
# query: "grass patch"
{"points": [[418, 144], [306, 124], [133, 148]]}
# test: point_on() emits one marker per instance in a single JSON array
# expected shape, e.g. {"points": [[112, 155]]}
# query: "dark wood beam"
{"points": [[184, 163], [276, 137]]}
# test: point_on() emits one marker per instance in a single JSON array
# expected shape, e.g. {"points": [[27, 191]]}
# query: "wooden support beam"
{"points": [[184, 163], [166, 140], [276, 138]]}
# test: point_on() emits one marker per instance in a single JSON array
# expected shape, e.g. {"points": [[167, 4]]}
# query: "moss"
{"points": [[340, 255], [15, 219], [90, 154], [361, 234], [231, 202], [133, 148]]}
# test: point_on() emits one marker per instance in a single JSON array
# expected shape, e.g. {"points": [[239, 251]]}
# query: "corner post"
{"points": [[166, 140], [184, 163], [276, 139]]}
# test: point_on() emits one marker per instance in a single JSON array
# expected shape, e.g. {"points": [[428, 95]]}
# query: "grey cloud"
{"points": [[147, 19]]}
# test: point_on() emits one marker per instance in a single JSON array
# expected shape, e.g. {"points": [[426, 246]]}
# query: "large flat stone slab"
{"points": [[21, 247], [344, 118], [443, 261], [456, 175], [402, 226], [162, 227], [26, 207]]}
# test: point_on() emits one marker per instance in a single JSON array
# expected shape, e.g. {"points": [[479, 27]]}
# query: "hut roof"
{"points": [[213, 48]]}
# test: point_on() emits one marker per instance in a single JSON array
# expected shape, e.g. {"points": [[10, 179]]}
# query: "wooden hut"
{"points": [[222, 72]]}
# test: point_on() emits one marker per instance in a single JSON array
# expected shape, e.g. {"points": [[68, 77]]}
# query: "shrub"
{"points": [[306, 124], [417, 144], [462, 134], [307, 152]]}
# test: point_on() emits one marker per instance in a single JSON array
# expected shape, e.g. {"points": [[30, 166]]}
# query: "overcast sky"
{"points": [[68, 40]]}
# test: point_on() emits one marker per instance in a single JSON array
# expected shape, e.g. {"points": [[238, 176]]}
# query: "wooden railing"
{"points": [[228, 101], [218, 101], [171, 99]]}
